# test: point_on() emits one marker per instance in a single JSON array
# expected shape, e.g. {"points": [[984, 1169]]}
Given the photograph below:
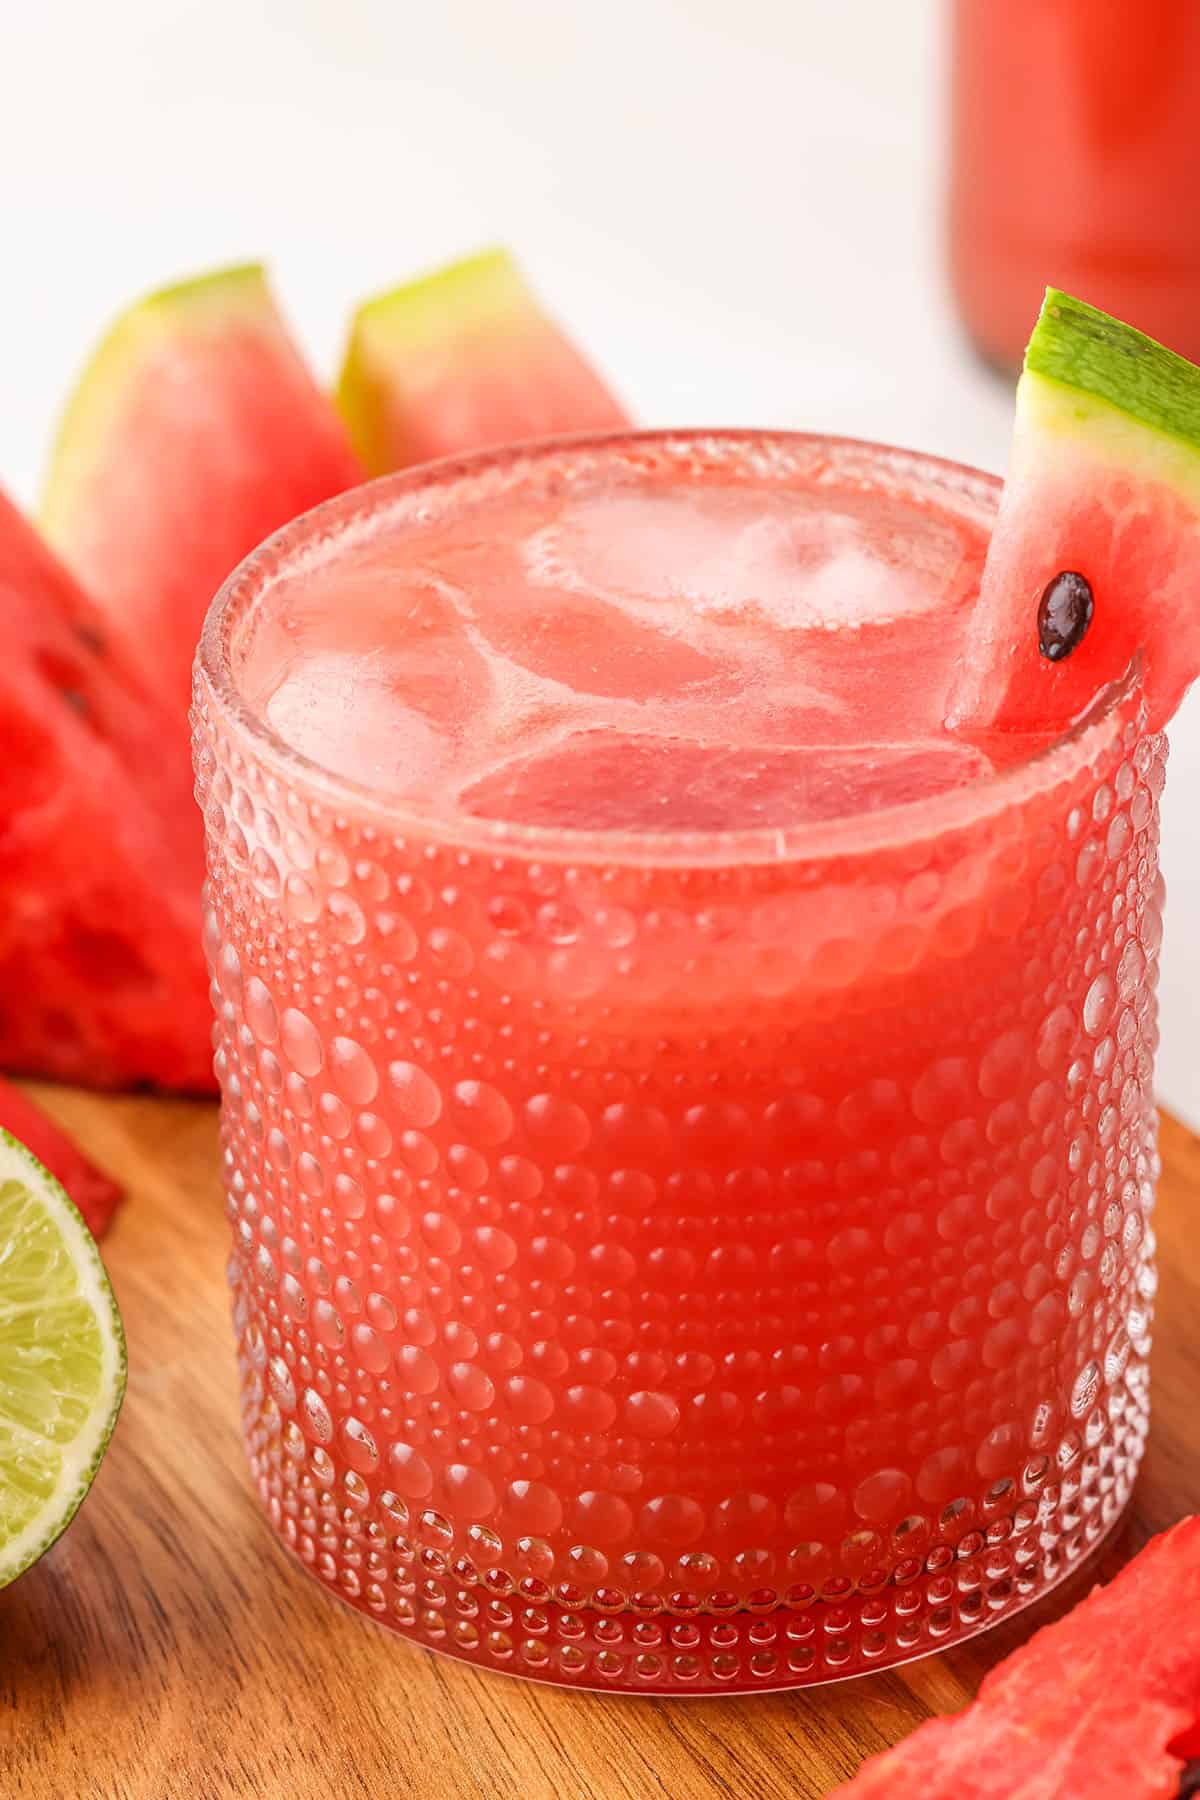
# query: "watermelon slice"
{"points": [[101, 974], [49, 625], [95, 1194], [195, 431], [1104, 487], [462, 360], [1103, 1703]]}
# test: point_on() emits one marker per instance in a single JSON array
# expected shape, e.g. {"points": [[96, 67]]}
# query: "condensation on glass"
{"points": [[684, 1264]]}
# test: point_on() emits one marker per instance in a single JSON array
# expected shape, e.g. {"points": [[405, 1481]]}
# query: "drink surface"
{"points": [[640, 650], [674, 1263]]}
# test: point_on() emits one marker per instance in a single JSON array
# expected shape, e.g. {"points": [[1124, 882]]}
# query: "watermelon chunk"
{"points": [[1104, 483], [101, 974], [1103, 1703], [462, 360], [95, 1194], [195, 431]]}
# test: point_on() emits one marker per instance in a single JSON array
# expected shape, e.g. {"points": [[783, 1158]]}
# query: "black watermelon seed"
{"points": [[1189, 1780], [1064, 614]]}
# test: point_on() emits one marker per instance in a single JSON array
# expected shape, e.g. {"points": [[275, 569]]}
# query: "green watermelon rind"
{"points": [[485, 285], [99, 395], [216, 287], [477, 292], [1122, 398], [474, 316]]}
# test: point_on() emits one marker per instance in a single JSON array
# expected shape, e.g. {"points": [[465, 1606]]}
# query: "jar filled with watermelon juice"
{"points": [[687, 1115], [1075, 142]]}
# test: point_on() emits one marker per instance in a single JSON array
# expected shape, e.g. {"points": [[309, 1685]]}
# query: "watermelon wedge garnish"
{"points": [[1103, 1703], [462, 360], [95, 1194], [195, 431], [101, 975], [1102, 499]]}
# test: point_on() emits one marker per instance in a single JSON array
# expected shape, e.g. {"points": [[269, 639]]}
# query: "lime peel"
{"points": [[62, 1359]]}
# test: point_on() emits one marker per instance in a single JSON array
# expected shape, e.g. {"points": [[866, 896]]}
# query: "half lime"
{"points": [[62, 1359]]}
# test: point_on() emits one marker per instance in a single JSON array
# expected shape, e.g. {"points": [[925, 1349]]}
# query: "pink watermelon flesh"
{"points": [[1105, 483], [101, 974], [1105, 1703], [196, 431], [464, 360], [95, 1194], [47, 621]]}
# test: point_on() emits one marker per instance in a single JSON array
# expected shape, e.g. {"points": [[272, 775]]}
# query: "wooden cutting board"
{"points": [[165, 1650]]}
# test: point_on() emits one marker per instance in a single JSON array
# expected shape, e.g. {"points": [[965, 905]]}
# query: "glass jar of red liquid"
{"points": [[1075, 161]]}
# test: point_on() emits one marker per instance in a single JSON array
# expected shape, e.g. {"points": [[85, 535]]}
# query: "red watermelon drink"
{"points": [[687, 1111], [1073, 147]]}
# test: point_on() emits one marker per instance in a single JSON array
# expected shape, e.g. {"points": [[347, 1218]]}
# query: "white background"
{"points": [[734, 203]]}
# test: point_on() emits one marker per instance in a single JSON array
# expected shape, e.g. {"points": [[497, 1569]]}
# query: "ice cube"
{"points": [[347, 716], [383, 687], [803, 560], [596, 780]]}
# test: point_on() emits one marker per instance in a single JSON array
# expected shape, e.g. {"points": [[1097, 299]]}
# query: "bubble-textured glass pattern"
{"points": [[695, 1264]]}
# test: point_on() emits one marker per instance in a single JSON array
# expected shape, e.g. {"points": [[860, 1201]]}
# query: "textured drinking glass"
{"points": [[685, 1262]]}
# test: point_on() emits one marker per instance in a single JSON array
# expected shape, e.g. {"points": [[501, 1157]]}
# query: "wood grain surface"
{"points": [[166, 1650]]}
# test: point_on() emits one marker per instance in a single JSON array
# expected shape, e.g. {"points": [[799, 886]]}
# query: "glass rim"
{"points": [[901, 824]]}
